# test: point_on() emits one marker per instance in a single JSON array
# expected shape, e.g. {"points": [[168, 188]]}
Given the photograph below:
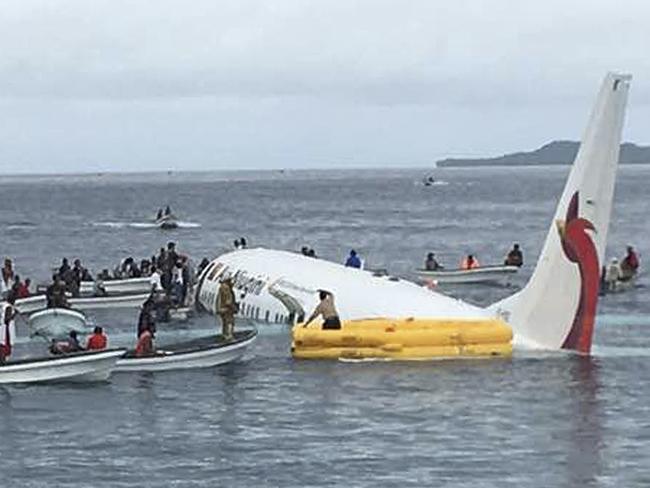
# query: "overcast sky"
{"points": [[97, 85]]}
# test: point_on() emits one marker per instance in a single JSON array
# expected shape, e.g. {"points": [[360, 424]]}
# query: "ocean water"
{"points": [[533, 420]]}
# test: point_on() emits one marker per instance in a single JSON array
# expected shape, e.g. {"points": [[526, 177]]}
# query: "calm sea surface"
{"points": [[536, 420]]}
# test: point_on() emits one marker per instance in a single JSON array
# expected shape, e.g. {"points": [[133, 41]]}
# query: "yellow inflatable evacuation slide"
{"points": [[410, 338]]}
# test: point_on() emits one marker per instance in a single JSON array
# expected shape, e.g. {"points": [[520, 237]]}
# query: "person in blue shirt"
{"points": [[353, 260]]}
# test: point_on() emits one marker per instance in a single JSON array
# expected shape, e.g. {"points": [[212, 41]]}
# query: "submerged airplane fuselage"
{"points": [[556, 309]]}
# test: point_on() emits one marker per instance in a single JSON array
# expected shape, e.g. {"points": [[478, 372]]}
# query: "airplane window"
{"points": [[257, 312], [266, 316]]}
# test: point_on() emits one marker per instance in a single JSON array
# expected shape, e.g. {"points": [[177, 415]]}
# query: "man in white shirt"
{"points": [[154, 279]]}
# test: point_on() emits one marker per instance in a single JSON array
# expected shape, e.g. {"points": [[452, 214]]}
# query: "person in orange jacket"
{"points": [[97, 340], [469, 262]]}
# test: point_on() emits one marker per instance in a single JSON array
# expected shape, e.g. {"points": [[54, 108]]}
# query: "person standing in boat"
{"points": [[145, 346], [55, 294], [227, 308], [629, 264], [7, 277], [146, 318], [327, 309], [515, 257], [159, 215], [469, 262], [155, 280], [431, 264], [8, 331]]}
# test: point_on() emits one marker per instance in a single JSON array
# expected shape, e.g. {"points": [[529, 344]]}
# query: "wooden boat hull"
{"points": [[202, 353], [79, 367]]}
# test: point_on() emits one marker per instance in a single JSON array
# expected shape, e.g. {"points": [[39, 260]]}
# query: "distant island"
{"points": [[556, 152]]}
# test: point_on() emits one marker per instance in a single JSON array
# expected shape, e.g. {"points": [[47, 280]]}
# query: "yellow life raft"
{"points": [[407, 338]]}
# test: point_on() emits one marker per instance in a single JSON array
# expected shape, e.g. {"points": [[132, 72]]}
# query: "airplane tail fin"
{"points": [[557, 307]]}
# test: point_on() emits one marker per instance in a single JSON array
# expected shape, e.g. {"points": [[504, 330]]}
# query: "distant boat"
{"points": [[428, 180], [482, 274], [167, 222]]}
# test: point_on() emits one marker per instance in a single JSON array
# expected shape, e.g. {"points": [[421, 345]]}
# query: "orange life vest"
{"points": [[465, 264], [96, 342]]}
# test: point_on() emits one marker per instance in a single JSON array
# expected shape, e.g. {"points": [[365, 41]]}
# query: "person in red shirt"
{"points": [[629, 264], [97, 340], [22, 290]]}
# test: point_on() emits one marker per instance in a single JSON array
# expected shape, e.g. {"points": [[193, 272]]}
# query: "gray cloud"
{"points": [[299, 83]]}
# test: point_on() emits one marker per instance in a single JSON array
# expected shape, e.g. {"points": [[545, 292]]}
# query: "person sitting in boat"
{"points": [[73, 341], [431, 264], [227, 307], [353, 260], [168, 211], [613, 275], [105, 275], [469, 262], [97, 340], [145, 346], [64, 347], [311, 253], [327, 309], [629, 264], [22, 291], [515, 257], [159, 215], [8, 327], [145, 268]]}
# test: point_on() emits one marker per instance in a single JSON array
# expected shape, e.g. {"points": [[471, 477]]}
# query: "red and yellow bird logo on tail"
{"points": [[579, 248]]}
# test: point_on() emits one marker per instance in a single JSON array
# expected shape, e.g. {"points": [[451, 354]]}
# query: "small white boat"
{"points": [[39, 302], [117, 287], [56, 321], [117, 301], [167, 222], [483, 274], [88, 366], [200, 353]]}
